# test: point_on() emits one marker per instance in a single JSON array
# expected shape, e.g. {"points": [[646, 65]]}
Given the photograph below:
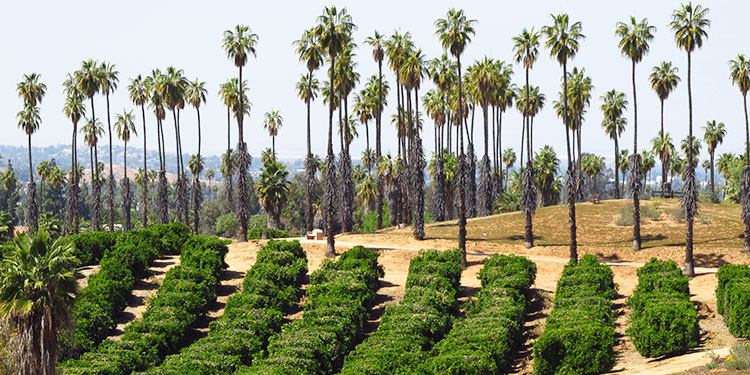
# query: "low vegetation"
{"points": [[733, 298], [664, 320]]}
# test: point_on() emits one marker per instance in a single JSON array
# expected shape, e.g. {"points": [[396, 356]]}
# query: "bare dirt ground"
{"points": [[142, 291], [83, 274]]}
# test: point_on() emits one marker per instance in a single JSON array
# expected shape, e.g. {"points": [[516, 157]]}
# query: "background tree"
{"points": [[545, 166], [210, 176], [613, 105], [74, 110], [31, 91], [713, 135], [37, 289], [663, 147], [272, 121], [108, 84], [238, 44], [689, 24], [125, 127], [664, 80], [563, 39], [92, 131], [272, 188], [455, 32], [509, 159], [229, 93], [195, 164], [739, 73], [139, 95], [592, 165], [376, 41], [526, 51]]}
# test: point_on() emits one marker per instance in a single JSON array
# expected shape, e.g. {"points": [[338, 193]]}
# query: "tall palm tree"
{"points": [[229, 92], [713, 135], [108, 84], [73, 109], [634, 43], [689, 24], [156, 96], [487, 78], [173, 87], [455, 32], [196, 95], [311, 53], [509, 159], [37, 290], [526, 51], [333, 32], [125, 127], [739, 73], [664, 80], [563, 40], [272, 121], [663, 147], [412, 72], [139, 94], [376, 41], [592, 165], [92, 131], [32, 92], [43, 170], [613, 106], [195, 164], [210, 176], [273, 188], [238, 44]]}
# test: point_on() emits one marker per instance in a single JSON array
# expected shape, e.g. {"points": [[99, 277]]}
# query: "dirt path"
{"points": [[142, 291], [83, 274]]}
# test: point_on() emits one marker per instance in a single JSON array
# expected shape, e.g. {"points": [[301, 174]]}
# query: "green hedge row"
{"points": [[733, 298], [663, 321], [90, 246], [184, 295], [257, 233], [580, 333], [408, 330], [338, 300], [483, 342], [121, 264], [250, 317]]}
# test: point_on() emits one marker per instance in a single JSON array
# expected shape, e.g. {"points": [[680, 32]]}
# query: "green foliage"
{"points": [[733, 298], [508, 202], [257, 221], [90, 246], [173, 235], [338, 298], [664, 321], [483, 343], [257, 233], [369, 221], [184, 295], [226, 225], [250, 317], [410, 329], [579, 336]]}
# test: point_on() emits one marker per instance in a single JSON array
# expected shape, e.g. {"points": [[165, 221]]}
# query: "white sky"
{"points": [[53, 37]]}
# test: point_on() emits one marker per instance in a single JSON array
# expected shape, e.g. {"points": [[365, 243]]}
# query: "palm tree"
{"points": [[525, 51], [37, 291], [664, 80], [509, 159], [563, 40], [713, 135], [333, 33], [210, 176], [74, 110], [455, 32], [613, 106], [739, 73], [229, 92], [634, 39], [663, 147], [592, 165], [272, 121], [486, 77], [389, 168], [195, 164], [238, 44], [155, 94], [196, 96], [311, 53], [108, 84], [173, 87], [92, 131], [43, 170], [273, 188], [689, 24], [648, 164], [139, 94], [125, 127], [376, 41], [32, 92]]}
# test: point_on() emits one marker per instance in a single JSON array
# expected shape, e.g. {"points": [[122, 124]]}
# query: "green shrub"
{"points": [[227, 225], [173, 235], [664, 320], [728, 273], [579, 334], [338, 298], [257, 233], [90, 246], [408, 330], [184, 295]]}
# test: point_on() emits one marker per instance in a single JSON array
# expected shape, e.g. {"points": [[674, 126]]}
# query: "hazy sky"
{"points": [[53, 37]]}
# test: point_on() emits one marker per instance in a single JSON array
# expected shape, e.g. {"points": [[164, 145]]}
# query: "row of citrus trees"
{"points": [[185, 294]]}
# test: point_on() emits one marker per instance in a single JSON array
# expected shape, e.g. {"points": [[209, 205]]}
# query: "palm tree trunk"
{"points": [[712, 171], [570, 184], [330, 191], [111, 178], [461, 174], [379, 215], [33, 209], [689, 200], [242, 170], [746, 170], [144, 186], [126, 193], [228, 178], [663, 167], [617, 169], [309, 166], [273, 147], [636, 172]]}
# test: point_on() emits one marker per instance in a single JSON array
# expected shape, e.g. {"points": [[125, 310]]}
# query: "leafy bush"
{"points": [[257, 233], [733, 298], [227, 225], [90, 246], [105, 296], [408, 330], [579, 336], [664, 321], [484, 341], [250, 317], [339, 295], [184, 295], [173, 235]]}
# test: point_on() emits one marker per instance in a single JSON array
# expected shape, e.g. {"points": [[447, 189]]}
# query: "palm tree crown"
{"points": [[634, 38], [664, 79], [689, 24], [455, 31], [239, 43], [563, 38]]}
